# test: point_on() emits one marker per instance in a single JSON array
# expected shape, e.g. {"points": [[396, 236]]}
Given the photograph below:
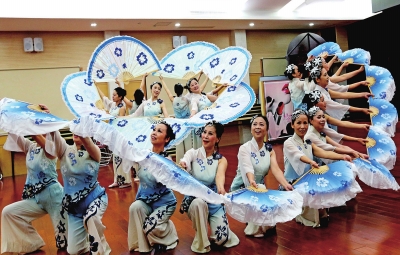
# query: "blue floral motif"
{"points": [[290, 201], [234, 105], [120, 105], [77, 121], [118, 52], [218, 106], [38, 121], [141, 138], [154, 103], [41, 175], [124, 66], [372, 170], [207, 116], [37, 150], [223, 71], [233, 78], [388, 124], [149, 221], [159, 101], [311, 192], [92, 105], [214, 62], [122, 123], [160, 214], [187, 68], [382, 95], [209, 161], [78, 98], [141, 58], [113, 70], [100, 74], [231, 88], [176, 128], [72, 157], [264, 208], [80, 154], [344, 183], [299, 147], [262, 153], [88, 179], [176, 174], [233, 61], [169, 68], [200, 162], [31, 155], [221, 231], [268, 147], [190, 55], [392, 152], [130, 143], [93, 245]]}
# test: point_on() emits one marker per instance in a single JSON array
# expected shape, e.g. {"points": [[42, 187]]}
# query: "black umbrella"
{"points": [[301, 45]]}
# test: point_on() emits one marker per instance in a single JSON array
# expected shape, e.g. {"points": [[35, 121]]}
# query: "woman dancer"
{"points": [[153, 106], [85, 201], [316, 135], [335, 109], [256, 159], [116, 108], [150, 226], [139, 96], [42, 195], [209, 167], [298, 158], [315, 98]]}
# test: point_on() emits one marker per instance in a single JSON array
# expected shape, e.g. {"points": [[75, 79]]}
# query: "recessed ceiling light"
{"points": [[311, 24], [251, 24], [93, 24], [177, 24]]}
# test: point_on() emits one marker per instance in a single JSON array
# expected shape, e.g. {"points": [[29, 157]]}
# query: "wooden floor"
{"points": [[369, 225]]}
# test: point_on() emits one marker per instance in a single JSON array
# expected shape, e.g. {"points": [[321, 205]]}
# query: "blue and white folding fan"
{"points": [[356, 56], [82, 97], [138, 130], [383, 115], [164, 170], [328, 186], [184, 61], [381, 147], [23, 118], [331, 48], [234, 102], [229, 65], [381, 82], [375, 175], [262, 206], [121, 57]]}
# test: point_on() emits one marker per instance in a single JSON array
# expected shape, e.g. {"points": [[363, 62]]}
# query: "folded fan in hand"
{"points": [[263, 207], [82, 97], [183, 62], [22, 118], [381, 82], [234, 102], [121, 57], [331, 48], [229, 65], [381, 147], [328, 186], [356, 56], [375, 175], [383, 115]]}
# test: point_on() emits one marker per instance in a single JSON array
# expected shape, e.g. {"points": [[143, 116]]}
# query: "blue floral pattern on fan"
{"points": [[169, 68], [141, 58], [331, 48], [122, 123], [176, 127], [381, 81], [118, 52], [190, 55], [233, 61], [100, 74], [214, 62], [207, 116], [233, 77], [141, 138], [113, 70], [78, 98], [381, 147], [357, 55]]}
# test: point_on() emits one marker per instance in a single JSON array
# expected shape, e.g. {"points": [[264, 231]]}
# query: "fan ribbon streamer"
{"points": [[331, 48], [184, 61], [375, 175], [262, 206], [23, 118], [82, 97], [122, 57], [164, 170], [234, 102], [138, 130], [381, 82], [229, 65], [356, 56], [383, 115], [381, 147], [329, 185]]}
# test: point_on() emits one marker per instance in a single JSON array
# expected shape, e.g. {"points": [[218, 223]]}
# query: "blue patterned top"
{"points": [[153, 193], [41, 171], [181, 107]]}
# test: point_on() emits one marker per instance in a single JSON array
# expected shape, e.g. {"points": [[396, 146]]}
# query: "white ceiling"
{"points": [[129, 15]]}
